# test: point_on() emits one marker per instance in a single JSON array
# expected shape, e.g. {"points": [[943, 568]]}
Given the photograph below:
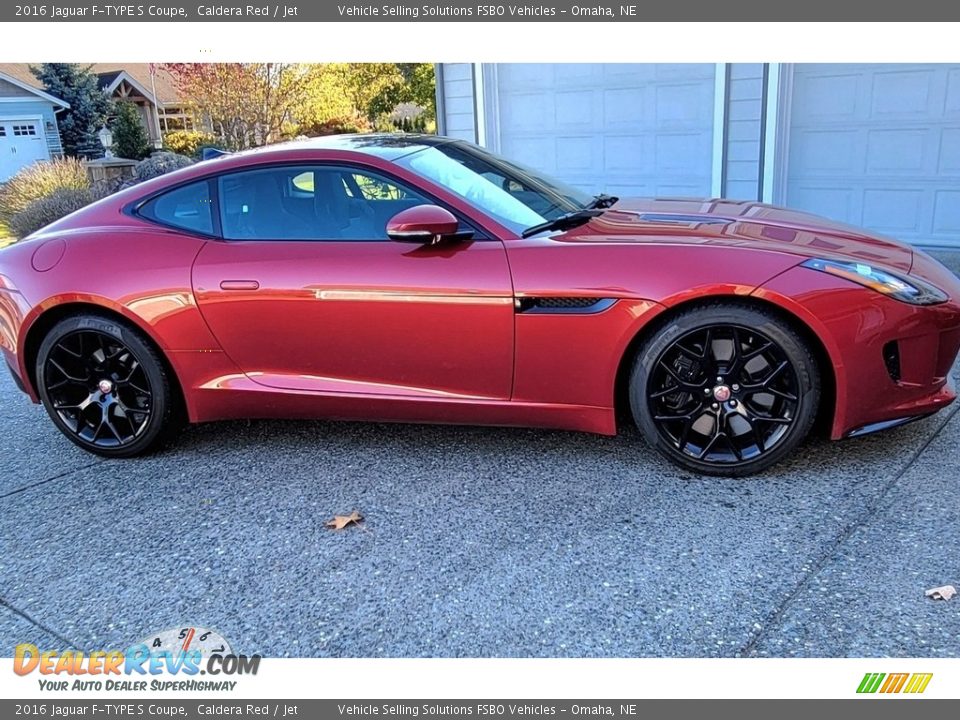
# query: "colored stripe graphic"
{"points": [[918, 682], [894, 683], [870, 682]]}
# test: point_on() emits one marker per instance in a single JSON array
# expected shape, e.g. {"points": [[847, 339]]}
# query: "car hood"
{"points": [[730, 222]]}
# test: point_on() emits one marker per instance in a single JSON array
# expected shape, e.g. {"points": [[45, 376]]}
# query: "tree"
{"points": [[246, 104], [130, 139], [89, 106], [335, 92], [410, 83]]}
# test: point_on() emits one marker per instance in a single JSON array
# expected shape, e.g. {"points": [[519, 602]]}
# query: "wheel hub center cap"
{"points": [[106, 387], [721, 393]]}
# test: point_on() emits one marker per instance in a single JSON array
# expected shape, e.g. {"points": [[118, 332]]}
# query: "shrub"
{"points": [[130, 139], [188, 142], [160, 163], [45, 210], [338, 126], [38, 181]]}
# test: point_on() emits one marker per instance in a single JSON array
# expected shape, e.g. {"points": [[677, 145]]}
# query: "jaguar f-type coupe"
{"points": [[423, 279]]}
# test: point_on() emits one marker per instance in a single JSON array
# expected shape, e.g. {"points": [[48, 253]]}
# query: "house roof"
{"points": [[109, 73], [34, 87]]}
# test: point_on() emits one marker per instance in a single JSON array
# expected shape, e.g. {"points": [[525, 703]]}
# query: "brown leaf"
{"points": [[339, 522], [942, 593]]}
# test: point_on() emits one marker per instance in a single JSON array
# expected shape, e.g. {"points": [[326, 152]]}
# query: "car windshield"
{"points": [[514, 196]]}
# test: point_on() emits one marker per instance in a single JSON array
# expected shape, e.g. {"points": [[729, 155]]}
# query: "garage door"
{"points": [[21, 143], [878, 146], [623, 129]]}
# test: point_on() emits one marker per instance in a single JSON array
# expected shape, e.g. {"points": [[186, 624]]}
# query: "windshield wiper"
{"points": [[563, 222], [601, 201]]}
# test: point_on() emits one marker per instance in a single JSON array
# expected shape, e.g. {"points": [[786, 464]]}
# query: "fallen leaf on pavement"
{"points": [[339, 522], [942, 593]]}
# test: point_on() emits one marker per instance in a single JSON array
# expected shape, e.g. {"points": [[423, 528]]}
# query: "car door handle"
{"points": [[239, 285]]}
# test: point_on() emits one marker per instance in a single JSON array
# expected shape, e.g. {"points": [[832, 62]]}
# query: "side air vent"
{"points": [[891, 358], [566, 305]]}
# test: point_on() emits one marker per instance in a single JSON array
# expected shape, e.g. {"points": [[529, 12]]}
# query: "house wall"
{"points": [[31, 107], [744, 115], [8, 90], [457, 100]]}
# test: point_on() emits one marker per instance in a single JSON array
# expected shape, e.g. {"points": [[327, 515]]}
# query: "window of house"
{"points": [[187, 207], [310, 203], [24, 130]]}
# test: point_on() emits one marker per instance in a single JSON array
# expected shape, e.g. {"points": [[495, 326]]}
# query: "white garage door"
{"points": [[878, 146], [622, 129], [21, 143]]}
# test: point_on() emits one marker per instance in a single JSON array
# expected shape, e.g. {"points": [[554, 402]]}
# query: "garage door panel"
{"points": [[575, 110], [575, 155], [826, 96], [877, 146], [826, 152], [624, 107], [646, 123], [946, 213], [894, 211], [953, 93], [898, 151], [902, 93], [835, 202], [949, 156]]}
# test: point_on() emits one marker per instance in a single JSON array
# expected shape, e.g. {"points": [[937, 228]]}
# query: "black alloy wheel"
{"points": [[104, 386], [725, 390]]}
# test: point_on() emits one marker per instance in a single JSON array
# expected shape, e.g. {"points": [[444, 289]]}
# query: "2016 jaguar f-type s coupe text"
{"points": [[420, 279]]}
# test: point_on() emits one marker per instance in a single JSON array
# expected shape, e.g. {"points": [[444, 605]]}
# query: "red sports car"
{"points": [[422, 279]]}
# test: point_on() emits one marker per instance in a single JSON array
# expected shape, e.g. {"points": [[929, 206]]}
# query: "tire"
{"points": [[106, 387], [725, 389]]}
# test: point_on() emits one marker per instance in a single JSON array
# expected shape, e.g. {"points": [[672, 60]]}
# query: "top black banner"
{"points": [[453, 10]]}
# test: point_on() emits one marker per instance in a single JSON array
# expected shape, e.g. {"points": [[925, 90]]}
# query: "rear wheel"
{"points": [[105, 386], [725, 389]]}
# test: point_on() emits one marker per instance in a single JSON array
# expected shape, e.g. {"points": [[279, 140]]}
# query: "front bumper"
{"points": [[861, 329]]}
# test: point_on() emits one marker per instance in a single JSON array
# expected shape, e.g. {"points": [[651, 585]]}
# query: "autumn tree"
{"points": [[246, 104]]}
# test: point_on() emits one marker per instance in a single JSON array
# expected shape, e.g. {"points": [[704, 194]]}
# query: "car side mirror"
{"points": [[426, 225]]}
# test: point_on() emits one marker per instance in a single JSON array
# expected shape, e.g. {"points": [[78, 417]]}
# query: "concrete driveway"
{"points": [[478, 542]]}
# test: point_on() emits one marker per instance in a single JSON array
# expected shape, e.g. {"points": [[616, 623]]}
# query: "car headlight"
{"points": [[913, 290]]}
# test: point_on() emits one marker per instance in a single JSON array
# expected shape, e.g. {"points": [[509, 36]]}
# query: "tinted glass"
{"points": [[310, 203], [187, 207]]}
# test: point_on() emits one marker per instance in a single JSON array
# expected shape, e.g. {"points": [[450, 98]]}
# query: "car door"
{"points": [[306, 291]]}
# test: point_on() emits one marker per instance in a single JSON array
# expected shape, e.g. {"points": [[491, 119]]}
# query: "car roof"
{"points": [[388, 146]]}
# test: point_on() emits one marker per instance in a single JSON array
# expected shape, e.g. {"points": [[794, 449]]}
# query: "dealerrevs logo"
{"points": [[185, 652]]}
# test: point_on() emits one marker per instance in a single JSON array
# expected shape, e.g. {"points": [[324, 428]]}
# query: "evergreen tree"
{"points": [[88, 110], [130, 139]]}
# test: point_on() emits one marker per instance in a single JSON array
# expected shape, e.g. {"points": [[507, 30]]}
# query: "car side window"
{"points": [[311, 203], [187, 207]]}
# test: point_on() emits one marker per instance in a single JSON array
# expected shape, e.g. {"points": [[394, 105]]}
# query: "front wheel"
{"points": [[104, 386], [725, 389]]}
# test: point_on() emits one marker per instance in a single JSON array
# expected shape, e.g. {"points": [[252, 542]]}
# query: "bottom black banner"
{"points": [[874, 708]]}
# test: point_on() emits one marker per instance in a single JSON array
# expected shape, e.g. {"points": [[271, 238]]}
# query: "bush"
{"points": [[188, 142], [45, 210], [160, 163], [39, 181], [130, 139], [338, 126]]}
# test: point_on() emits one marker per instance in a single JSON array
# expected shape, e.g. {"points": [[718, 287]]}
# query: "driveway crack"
{"points": [[775, 618], [50, 479], [36, 623]]}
